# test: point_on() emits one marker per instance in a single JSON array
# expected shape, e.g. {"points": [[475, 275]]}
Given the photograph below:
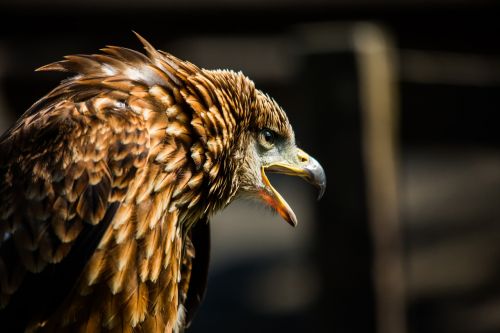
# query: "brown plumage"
{"points": [[107, 184]]}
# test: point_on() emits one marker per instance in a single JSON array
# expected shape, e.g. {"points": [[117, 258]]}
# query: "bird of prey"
{"points": [[107, 184]]}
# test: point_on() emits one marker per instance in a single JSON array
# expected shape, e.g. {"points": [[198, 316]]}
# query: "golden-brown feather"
{"points": [[110, 170]]}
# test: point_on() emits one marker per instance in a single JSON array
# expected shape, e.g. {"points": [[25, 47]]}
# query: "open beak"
{"points": [[307, 168]]}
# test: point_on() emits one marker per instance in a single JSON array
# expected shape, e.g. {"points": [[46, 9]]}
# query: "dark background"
{"points": [[430, 262]]}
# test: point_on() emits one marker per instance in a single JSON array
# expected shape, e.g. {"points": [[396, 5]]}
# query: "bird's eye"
{"points": [[267, 138]]}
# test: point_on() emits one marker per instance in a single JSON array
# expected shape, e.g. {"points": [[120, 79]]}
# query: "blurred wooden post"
{"points": [[343, 251], [378, 92], [348, 83]]}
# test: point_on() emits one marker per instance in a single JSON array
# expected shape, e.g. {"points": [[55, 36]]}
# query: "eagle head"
{"points": [[263, 142]]}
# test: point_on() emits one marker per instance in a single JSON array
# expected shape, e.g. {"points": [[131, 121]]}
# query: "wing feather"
{"points": [[59, 192], [101, 181]]}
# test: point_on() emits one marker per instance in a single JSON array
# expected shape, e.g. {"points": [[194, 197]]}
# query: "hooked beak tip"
{"points": [[316, 176], [322, 189]]}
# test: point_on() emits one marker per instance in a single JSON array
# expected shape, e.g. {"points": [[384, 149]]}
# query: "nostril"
{"points": [[303, 157]]}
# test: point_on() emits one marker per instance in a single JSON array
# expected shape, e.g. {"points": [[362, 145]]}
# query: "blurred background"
{"points": [[400, 102]]}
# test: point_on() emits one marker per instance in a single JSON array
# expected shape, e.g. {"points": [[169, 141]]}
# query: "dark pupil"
{"points": [[268, 136]]}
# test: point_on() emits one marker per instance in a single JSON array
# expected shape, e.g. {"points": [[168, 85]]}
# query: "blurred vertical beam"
{"points": [[343, 249], [378, 91]]}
